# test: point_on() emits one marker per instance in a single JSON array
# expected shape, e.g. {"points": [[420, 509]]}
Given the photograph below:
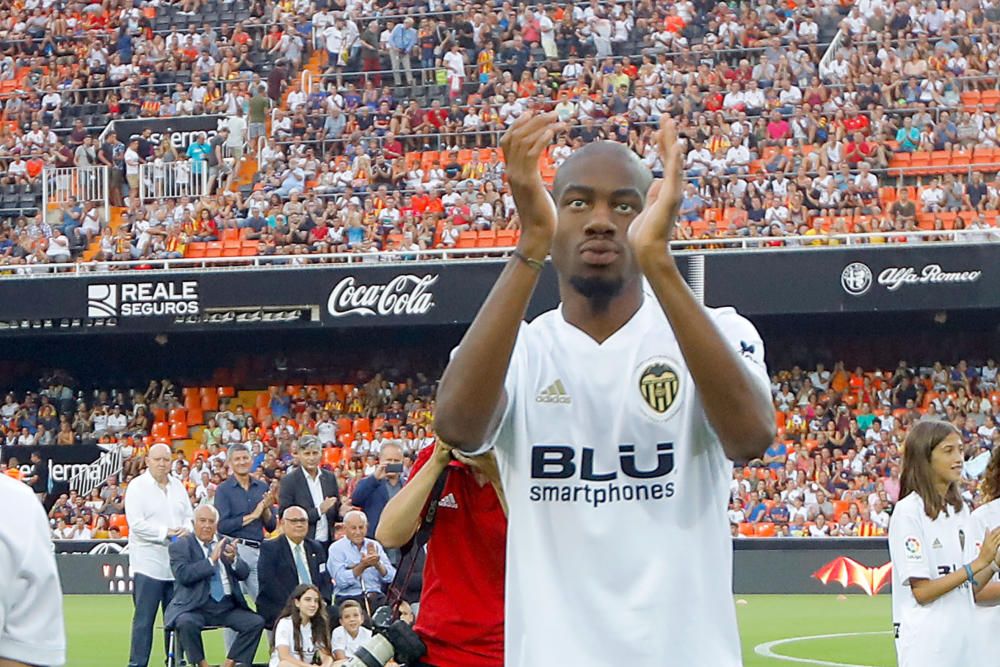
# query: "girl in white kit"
{"points": [[935, 564]]}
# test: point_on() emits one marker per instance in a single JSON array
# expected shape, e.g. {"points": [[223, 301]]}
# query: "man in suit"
{"points": [[286, 562], [207, 574], [313, 489]]}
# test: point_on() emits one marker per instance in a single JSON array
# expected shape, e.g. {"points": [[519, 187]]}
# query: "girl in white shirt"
{"points": [[300, 635], [932, 540]]}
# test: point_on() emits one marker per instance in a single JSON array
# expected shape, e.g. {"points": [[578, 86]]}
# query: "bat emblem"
{"points": [[849, 572]]}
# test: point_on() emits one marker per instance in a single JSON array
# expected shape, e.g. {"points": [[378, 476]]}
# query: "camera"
{"points": [[394, 467], [391, 641]]}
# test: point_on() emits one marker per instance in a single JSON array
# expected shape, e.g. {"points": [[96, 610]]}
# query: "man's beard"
{"points": [[598, 291]]}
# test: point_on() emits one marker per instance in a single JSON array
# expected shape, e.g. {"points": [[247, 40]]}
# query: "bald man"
{"points": [[158, 510], [287, 561]]}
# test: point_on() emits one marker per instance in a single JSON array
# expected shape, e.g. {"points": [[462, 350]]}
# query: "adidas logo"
{"points": [[937, 544], [554, 393], [449, 502]]}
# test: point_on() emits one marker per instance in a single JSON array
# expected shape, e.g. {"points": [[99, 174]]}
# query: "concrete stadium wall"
{"points": [[760, 566]]}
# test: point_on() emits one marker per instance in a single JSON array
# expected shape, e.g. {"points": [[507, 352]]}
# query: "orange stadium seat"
{"points": [[765, 530], [210, 402], [160, 431]]}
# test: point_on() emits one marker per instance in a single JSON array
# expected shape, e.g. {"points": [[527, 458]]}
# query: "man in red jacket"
{"points": [[460, 617]]}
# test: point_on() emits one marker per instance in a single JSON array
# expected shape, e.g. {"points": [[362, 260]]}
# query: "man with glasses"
{"points": [[287, 561]]}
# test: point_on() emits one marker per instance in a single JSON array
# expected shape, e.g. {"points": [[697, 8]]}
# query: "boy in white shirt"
{"points": [[350, 634]]}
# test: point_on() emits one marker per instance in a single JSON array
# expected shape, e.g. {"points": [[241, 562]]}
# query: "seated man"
{"points": [[207, 574], [288, 561], [358, 565]]}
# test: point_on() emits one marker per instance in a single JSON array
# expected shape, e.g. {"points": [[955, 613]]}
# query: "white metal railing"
{"points": [[687, 247], [169, 180], [63, 185], [95, 474]]}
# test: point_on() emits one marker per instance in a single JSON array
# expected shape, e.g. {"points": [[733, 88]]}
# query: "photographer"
{"points": [[460, 618]]}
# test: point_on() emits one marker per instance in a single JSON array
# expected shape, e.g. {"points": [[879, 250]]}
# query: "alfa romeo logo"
{"points": [[856, 278]]}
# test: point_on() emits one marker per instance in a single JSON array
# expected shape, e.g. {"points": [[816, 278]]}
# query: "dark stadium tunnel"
{"points": [[877, 339]]}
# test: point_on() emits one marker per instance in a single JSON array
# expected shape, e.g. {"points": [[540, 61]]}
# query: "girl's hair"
{"points": [[319, 623], [917, 476], [991, 479]]}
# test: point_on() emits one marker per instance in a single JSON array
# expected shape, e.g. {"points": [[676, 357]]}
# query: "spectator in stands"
{"points": [[158, 510], [359, 566], [209, 571], [287, 562], [313, 489], [374, 492]]}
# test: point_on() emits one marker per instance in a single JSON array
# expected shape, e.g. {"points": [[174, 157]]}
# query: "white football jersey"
{"points": [[619, 549], [937, 633], [31, 605], [987, 627]]}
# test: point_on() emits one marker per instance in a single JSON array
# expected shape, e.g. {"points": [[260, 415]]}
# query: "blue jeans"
{"points": [[148, 594]]}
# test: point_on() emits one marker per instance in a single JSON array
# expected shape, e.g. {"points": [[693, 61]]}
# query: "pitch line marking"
{"points": [[765, 648]]}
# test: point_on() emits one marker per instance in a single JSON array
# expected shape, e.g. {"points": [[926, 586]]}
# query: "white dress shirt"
{"points": [[152, 512], [316, 491]]}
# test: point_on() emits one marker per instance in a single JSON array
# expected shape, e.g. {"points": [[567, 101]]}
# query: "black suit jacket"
{"points": [[193, 574], [295, 491], [278, 576]]}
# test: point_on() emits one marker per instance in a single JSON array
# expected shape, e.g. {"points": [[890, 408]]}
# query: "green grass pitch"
{"points": [[97, 628]]}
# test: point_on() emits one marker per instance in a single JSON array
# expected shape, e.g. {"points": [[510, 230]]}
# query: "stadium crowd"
{"points": [[392, 145], [833, 470]]}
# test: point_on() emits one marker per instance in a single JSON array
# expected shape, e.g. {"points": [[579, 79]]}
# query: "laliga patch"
{"points": [[658, 382], [914, 551]]}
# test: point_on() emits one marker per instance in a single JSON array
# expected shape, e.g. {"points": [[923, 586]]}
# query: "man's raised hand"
{"points": [[522, 145], [653, 229]]}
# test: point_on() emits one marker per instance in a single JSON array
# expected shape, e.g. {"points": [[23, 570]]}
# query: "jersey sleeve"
{"points": [[743, 338], [31, 614], [908, 547], [283, 634], [338, 640]]}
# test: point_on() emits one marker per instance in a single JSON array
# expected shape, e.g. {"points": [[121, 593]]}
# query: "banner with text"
{"points": [[925, 277]]}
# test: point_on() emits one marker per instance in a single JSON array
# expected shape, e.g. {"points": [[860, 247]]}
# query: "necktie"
{"points": [[300, 565], [215, 587]]}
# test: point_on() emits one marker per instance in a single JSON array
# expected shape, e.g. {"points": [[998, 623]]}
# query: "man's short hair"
{"points": [[393, 444], [356, 513], [309, 442], [235, 448]]}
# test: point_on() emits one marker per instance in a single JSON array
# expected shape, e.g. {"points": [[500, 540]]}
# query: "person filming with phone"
{"points": [[375, 491]]}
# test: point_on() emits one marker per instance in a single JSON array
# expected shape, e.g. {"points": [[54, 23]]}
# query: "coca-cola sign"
{"points": [[405, 294]]}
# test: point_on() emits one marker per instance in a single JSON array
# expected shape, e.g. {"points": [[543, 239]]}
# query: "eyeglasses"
{"points": [[297, 520]]}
